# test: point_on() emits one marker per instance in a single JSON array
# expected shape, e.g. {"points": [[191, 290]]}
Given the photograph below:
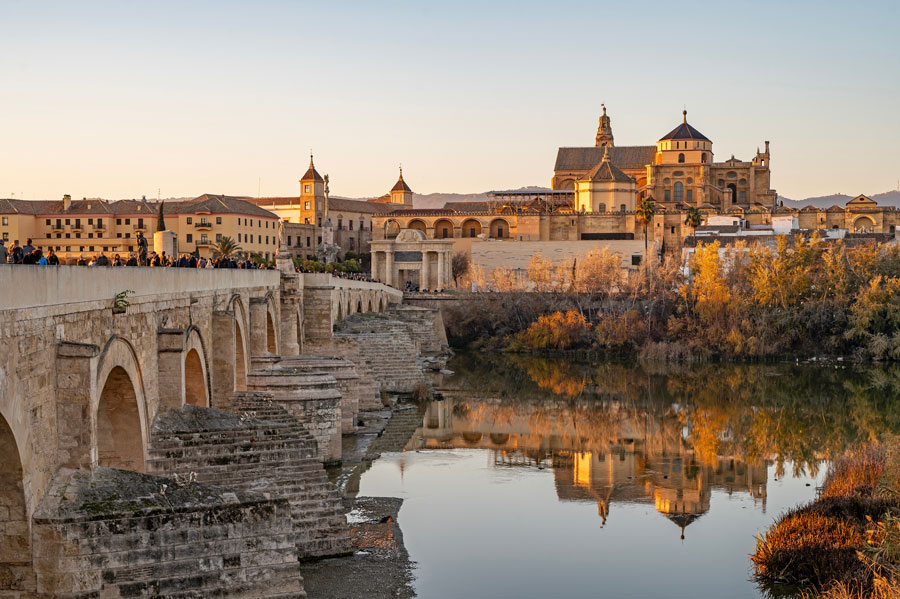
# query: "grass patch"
{"points": [[846, 543]]}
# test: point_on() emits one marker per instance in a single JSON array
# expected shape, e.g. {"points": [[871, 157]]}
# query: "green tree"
{"points": [[693, 217], [644, 214], [160, 219], [226, 247]]}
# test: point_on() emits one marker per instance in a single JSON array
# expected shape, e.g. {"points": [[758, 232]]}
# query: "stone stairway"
{"points": [[348, 349], [404, 422], [252, 443], [424, 326], [385, 344], [117, 533]]}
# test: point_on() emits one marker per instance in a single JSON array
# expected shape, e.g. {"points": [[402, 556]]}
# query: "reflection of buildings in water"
{"points": [[605, 454]]}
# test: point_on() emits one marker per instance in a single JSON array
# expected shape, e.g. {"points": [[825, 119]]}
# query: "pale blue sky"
{"points": [[117, 99]]}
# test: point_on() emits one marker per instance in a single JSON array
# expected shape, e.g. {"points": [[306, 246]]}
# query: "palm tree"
{"points": [[693, 217], [644, 215], [226, 247]]}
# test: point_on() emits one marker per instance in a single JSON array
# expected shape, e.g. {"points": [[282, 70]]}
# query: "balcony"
{"points": [[57, 227], [203, 224], [100, 227], [140, 227], [204, 243]]}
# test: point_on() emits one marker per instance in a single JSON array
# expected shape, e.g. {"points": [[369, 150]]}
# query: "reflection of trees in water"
{"points": [[794, 413]]}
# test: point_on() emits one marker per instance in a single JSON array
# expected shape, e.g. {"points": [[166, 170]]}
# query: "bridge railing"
{"points": [[25, 286]]}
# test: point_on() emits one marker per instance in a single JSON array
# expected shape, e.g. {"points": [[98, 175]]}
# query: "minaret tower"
{"points": [[604, 131]]}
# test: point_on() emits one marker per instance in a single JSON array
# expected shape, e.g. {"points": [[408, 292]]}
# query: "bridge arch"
{"points": [[272, 341], [120, 408], [15, 525], [196, 370], [241, 339]]}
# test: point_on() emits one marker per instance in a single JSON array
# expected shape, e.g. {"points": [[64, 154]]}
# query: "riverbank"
{"points": [[379, 567], [846, 543], [803, 300]]}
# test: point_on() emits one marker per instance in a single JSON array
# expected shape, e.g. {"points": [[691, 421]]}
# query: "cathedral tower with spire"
{"points": [[401, 193], [604, 131]]}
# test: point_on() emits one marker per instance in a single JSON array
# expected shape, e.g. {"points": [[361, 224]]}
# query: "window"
{"points": [[623, 208], [118, 221], [351, 224], [668, 195], [635, 260], [743, 196], [732, 175], [308, 242], [90, 248], [743, 181], [5, 221], [681, 158], [340, 224], [48, 222], [666, 181], [601, 208], [218, 237], [267, 240], [90, 235], [690, 180], [99, 223], [306, 190], [127, 221], [140, 223], [78, 223], [320, 239], [320, 224], [190, 238], [77, 235], [119, 235], [307, 205], [67, 236], [679, 192], [673, 230], [351, 243], [90, 221], [306, 221], [218, 220], [690, 195], [58, 224], [289, 241], [59, 235], [703, 157], [5, 236], [127, 235], [67, 221], [678, 174], [239, 237], [190, 220], [203, 238]]}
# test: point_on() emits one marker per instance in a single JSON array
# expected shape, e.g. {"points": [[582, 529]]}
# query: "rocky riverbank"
{"points": [[379, 566]]}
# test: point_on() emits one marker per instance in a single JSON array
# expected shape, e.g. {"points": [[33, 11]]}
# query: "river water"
{"points": [[552, 478]]}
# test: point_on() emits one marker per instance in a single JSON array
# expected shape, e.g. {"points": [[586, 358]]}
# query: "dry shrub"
{"points": [[557, 331], [856, 473], [806, 547]]}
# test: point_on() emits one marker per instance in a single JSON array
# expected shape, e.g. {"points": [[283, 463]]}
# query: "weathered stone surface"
{"points": [[258, 446], [112, 533]]}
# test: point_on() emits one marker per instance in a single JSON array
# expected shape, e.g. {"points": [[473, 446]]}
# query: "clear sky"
{"points": [[119, 99]]}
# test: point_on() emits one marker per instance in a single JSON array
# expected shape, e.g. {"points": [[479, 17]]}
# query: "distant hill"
{"points": [[888, 198]]}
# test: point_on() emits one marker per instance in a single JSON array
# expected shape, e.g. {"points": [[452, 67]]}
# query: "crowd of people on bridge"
{"points": [[28, 254]]}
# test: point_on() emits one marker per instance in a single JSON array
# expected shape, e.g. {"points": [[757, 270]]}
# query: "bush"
{"points": [[558, 331]]}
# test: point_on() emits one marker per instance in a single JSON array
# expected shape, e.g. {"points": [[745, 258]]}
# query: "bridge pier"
{"points": [[76, 364]]}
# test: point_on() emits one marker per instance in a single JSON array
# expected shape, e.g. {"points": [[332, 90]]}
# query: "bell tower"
{"points": [[604, 131]]}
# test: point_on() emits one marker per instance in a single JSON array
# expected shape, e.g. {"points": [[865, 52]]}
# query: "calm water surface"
{"points": [[547, 478]]}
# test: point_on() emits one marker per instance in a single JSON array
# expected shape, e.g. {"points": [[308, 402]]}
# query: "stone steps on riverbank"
{"points": [[399, 429], [346, 376], [270, 453]]}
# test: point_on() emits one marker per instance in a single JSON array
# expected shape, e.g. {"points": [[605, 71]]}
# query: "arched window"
{"points": [[622, 208], [703, 157], [601, 208], [679, 191], [681, 158]]}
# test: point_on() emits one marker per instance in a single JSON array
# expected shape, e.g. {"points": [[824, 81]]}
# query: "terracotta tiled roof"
{"points": [[605, 171], [584, 159], [347, 205], [218, 204]]}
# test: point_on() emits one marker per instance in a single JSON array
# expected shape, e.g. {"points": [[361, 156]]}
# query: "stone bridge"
{"points": [[89, 389]]}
